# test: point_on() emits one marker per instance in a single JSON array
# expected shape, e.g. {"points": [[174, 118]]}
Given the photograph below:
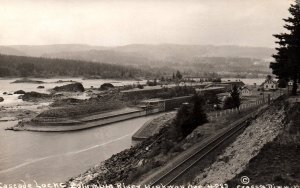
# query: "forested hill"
{"points": [[15, 66]]}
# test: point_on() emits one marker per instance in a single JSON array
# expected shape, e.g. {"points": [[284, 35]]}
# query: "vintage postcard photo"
{"points": [[149, 94]]}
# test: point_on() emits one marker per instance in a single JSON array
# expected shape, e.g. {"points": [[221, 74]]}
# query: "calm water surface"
{"points": [[55, 157]]}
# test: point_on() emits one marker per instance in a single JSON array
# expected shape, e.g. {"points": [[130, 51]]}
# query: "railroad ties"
{"points": [[178, 167]]}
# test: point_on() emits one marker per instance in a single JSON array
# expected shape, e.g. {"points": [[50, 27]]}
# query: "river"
{"points": [[54, 157], [247, 81]]}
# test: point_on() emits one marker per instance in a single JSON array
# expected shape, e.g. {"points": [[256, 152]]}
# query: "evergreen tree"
{"points": [[178, 75], [26, 69], [235, 95], [199, 116], [154, 82], [287, 59], [181, 120], [228, 103], [190, 116], [282, 83]]}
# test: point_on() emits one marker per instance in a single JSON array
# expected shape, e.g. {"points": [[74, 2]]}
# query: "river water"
{"points": [[247, 81], [54, 157]]}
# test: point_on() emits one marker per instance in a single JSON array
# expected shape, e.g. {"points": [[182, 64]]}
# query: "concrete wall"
{"points": [[120, 117]]}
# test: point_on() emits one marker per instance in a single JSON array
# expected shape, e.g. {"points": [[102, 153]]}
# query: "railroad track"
{"points": [[169, 176]]}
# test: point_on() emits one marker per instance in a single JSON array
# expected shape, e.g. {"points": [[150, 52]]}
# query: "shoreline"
{"points": [[79, 77]]}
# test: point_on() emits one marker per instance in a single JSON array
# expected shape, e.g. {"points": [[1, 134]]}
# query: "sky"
{"points": [[122, 22]]}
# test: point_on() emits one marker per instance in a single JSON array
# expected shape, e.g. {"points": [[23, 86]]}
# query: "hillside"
{"points": [[160, 52], [109, 56], [10, 51], [187, 52], [16, 66], [193, 60], [40, 50]]}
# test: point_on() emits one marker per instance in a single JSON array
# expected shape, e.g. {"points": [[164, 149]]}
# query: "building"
{"points": [[211, 90], [290, 86], [269, 84], [228, 85], [245, 92], [161, 105]]}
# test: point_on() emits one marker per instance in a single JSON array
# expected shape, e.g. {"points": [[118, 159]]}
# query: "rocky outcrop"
{"points": [[106, 86], [41, 87], [121, 167], [21, 92], [68, 101], [74, 87], [63, 81], [35, 96], [1, 99], [236, 157], [26, 80]]}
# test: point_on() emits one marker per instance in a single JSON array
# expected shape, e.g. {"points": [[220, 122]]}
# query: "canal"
{"points": [[49, 157]]}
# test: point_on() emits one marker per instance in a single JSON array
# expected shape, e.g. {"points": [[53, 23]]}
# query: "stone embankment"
{"points": [[65, 124], [153, 126], [278, 161], [247, 145], [121, 167]]}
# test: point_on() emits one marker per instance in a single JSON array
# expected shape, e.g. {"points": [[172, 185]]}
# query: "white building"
{"points": [[269, 84], [245, 92]]}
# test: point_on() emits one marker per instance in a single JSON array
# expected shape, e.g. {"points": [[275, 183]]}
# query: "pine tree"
{"points": [[190, 116], [178, 75], [235, 95], [154, 82], [287, 59]]}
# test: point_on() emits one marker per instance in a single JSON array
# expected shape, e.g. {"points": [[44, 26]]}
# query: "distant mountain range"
{"points": [[163, 58], [137, 53]]}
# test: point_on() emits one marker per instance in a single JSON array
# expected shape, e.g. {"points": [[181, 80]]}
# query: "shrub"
{"points": [[140, 86], [154, 83], [282, 83], [228, 103]]}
